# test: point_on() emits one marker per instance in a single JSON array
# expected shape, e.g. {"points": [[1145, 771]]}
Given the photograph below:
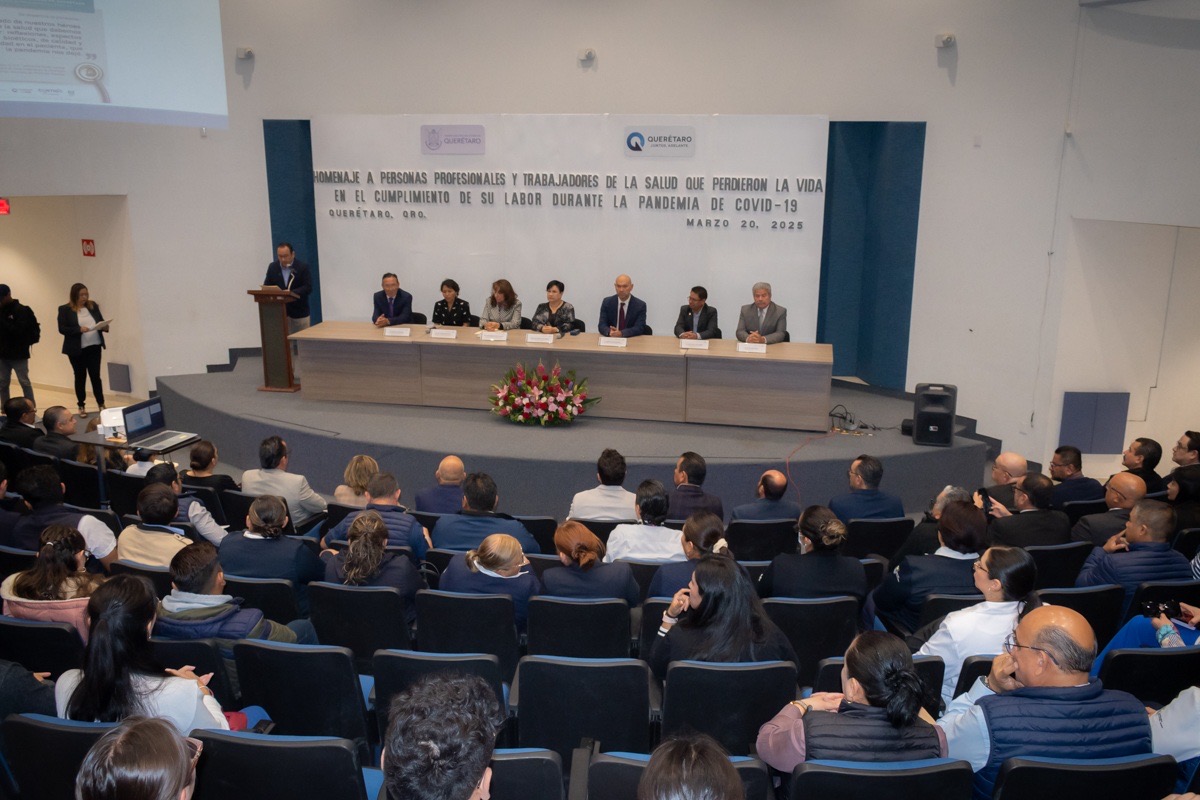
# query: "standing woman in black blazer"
{"points": [[82, 343]]}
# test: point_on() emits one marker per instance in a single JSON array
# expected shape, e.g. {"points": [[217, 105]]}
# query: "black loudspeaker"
{"points": [[933, 414]]}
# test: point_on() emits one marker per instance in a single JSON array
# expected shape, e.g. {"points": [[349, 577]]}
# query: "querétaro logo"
{"points": [[635, 142], [433, 139]]}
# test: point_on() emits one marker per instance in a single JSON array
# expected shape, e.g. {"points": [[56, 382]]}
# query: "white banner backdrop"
{"points": [[674, 201]]}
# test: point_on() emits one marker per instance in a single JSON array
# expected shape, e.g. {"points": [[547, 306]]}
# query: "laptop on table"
{"points": [[146, 427]]}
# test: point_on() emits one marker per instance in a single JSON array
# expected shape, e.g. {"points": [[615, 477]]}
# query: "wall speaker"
{"points": [[933, 414]]}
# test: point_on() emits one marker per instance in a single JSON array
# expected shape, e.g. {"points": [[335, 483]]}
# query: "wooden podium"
{"points": [[276, 352]]}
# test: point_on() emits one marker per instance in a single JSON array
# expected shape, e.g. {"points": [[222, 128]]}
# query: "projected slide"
{"points": [[156, 61]]}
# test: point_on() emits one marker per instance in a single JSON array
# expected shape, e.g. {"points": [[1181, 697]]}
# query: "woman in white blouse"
{"points": [[648, 540], [82, 342]]}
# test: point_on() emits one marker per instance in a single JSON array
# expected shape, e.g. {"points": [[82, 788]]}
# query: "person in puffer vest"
{"points": [[1039, 701]]}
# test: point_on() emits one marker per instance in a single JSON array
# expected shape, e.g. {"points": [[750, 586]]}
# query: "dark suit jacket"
{"points": [[1038, 527], [1099, 528], [708, 322], [1003, 494], [687, 499], [821, 574], [763, 509], [301, 284], [21, 435], [68, 326], [56, 444], [1154, 481], [1074, 489], [635, 316], [402, 306], [866, 504], [900, 597]]}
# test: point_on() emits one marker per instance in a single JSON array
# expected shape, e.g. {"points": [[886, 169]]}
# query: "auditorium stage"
{"points": [[538, 470]]}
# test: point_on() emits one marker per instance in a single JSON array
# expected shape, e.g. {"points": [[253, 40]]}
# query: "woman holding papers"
{"points": [[83, 326]]}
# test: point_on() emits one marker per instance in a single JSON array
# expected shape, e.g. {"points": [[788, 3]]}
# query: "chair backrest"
{"points": [[439, 559], [604, 527], [845, 780], [542, 529], [45, 753], [53, 647], [105, 515], [1128, 777], [361, 618], [761, 540], [1101, 605], [428, 519], [930, 669], [817, 628], [12, 459], [418, 318], [396, 670], [755, 569], [307, 690], [973, 668], [564, 700], [1187, 541], [82, 482], [1077, 509], [540, 562], [729, 702], [1162, 592], [236, 506], [159, 577], [245, 764], [36, 458], [675, 524], [336, 513], [1058, 565], [449, 622], [937, 606], [615, 776], [526, 774], [652, 611], [882, 537], [1153, 676], [123, 490], [205, 656], [275, 597], [875, 569], [210, 499], [643, 573], [578, 628], [14, 559]]}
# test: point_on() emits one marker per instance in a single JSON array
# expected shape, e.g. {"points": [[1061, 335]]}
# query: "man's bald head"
{"points": [[773, 484], [1124, 490], [1009, 467], [1065, 639], [623, 286], [450, 472]]}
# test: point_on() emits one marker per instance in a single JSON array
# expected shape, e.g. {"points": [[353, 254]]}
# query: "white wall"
{"points": [[997, 195]]}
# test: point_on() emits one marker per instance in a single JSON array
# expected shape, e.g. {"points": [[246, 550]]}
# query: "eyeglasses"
{"points": [[979, 565], [195, 748], [1010, 643]]}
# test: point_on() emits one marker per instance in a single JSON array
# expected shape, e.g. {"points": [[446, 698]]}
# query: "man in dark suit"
{"points": [[762, 322], [697, 320], [393, 305], [1140, 458], [1186, 451], [622, 315], [1123, 491], [1035, 523], [1007, 469], [687, 497], [288, 272], [771, 503], [20, 414], [60, 425], [1066, 468], [865, 500]]}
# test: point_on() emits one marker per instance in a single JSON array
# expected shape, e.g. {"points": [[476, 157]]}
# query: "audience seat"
{"points": [[1187, 541], [210, 499], [541, 529], [1162, 592], [53, 647], [123, 490], [44, 753], [603, 527], [36, 458], [82, 483], [439, 559], [937, 606], [881, 537], [875, 568], [1100, 605], [540, 562], [105, 515], [615, 776], [1144, 777], [336, 513], [1154, 676], [529, 773], [973, 668], [729, 702], [14, 559], [242, 764], [361, 618], [1058, 565], [578, 628], [755, 569], [643, 573], [159, 577], [204, 656], [449, 622], [12, 458], [761, 540], [427, 519], [396, 670], [652, 611], [942, 778], [817, 628], [275, 597], [1077, 509]]}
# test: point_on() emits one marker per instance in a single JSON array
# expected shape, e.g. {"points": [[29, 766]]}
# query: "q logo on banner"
{"points": [[635, 141]]}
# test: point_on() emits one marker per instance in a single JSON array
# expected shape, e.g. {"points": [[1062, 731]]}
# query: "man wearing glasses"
{"points": [[1039, 701], [1007, 469], [1066, 468], [1187, 450]]}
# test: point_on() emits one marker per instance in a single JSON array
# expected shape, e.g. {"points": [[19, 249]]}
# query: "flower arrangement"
{"points": [[540, 397]]}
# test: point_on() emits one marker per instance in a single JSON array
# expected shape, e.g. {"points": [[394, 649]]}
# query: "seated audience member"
{"points": [[1142, 552], [818, 570], [583, 573], [554, 315], [198, 608], [188, 508], [356, 475], [1120, 494], [440, 737], [60, 425], [42, 491], [87, 453], [962, 531], [1183, 493], [57, 587], [274, 458], [703, 534], [446, 496], [153, 541], [647, 540], [10, 507], [392, 305], [498, 566], [143, 757], [1035, 523], [1066, 467], [1140, 458], [697, 319], [262, 551], [383, 497], [690, 767], [451, 310], [478, 519], [367, 562], [1007, 469], [622, 315], [865, 499], [762, 322], [876, 715], [923, 540], [502, 310], [610, 500], [24, 692], [771, 502], [687, 497], [1154, 632], [1173, 733], [203, 462], [1185, 453], [718, 617], [120, 677], [142, 461], [1038, 701], [20, 423], [1006, 576]]}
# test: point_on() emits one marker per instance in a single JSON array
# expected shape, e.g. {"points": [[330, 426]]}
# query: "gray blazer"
{"points": [[774, 326]]}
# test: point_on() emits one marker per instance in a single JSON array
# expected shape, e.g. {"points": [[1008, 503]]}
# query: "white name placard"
{"points": [[751, 347], [444, 333], [613, 341], [397, 331], [494, 336], [693, 344], [540, 338]]}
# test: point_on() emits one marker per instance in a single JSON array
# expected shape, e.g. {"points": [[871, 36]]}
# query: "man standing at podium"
{"points": [[287, 272], [393, 305]]}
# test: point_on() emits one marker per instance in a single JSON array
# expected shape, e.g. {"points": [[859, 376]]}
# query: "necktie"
{"points": [[762, 318], [695, 323], [621, 316], [391, 307]]}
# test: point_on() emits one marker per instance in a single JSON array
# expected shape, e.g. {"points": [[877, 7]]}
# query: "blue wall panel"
{"points": [[288, 146]]}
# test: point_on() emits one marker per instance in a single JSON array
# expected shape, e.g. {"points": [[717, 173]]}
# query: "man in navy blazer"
{"points": [[288, 272], [393, 305], [611, 317]]}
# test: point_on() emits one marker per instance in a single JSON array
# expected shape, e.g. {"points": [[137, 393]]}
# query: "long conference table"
{"points": [[651, 378]]}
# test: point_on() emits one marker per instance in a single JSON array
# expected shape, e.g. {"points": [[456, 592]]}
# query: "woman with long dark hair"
{"points": [[874, 718], [120, 676], [367, 562], [818, 570], [143, 758], [83, 339], [703, 534], [502, 311], [583, 572], [718, 617], [56, 587]]}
